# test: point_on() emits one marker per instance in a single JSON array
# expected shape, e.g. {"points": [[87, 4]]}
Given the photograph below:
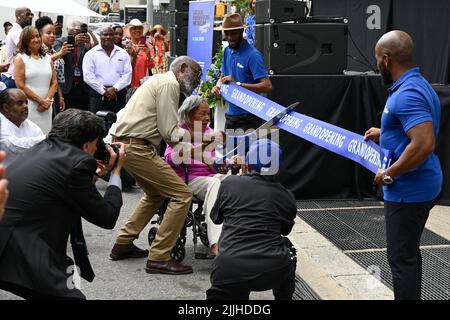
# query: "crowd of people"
{"points": [[54, 85]]}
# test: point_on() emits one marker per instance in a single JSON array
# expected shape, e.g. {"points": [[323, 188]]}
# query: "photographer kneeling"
{"points": [[51, 188]]}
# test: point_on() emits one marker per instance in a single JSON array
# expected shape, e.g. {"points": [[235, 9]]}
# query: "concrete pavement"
{"points": [[331, 274], [327, 270]]}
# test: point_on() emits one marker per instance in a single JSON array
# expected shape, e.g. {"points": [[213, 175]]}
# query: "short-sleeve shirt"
{"points": [[245, 65], [411, 101]]}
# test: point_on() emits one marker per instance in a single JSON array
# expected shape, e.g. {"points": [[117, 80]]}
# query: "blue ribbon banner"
{"points": [[200, 33], [335, 139]]}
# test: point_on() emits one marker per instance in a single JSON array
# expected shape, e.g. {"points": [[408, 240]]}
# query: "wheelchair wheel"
{"points": [[151, 235], [188, 222], [204, 235], [179, 251]]}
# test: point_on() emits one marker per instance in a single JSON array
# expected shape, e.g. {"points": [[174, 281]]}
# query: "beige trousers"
{"points": [[158, 181], [206, 189]]}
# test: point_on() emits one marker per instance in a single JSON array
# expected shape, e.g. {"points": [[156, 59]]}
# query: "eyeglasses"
{"points": [[199, 72], [29, 14]]}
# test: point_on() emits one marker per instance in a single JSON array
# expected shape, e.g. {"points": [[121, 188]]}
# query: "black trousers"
{"points": [[281, 281], [77, 97], [404, 226], [244, 122], [97, 102], [29, 294]]}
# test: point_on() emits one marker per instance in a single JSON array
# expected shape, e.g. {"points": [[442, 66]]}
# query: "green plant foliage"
{"points": [[212, 77], [242, 7]]}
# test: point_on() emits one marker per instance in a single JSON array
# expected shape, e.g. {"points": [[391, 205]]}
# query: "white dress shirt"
{"points": [[100, 70], [14, 140], [11, 41]]}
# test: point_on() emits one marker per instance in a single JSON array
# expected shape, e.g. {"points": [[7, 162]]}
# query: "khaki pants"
{"points": [[158, 181]]}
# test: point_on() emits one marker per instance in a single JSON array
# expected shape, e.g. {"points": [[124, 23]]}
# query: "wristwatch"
{"points": [[386, 178], [238, 83]]}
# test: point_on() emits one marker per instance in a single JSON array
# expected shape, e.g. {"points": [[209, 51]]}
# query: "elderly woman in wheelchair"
{"points": [[198, 171]]}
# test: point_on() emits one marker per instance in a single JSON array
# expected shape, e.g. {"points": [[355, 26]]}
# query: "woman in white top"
{"points": [[35, 75]]}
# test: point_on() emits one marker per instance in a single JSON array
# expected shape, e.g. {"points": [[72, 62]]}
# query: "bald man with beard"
{"points": [[24, 17], [413, 181]]}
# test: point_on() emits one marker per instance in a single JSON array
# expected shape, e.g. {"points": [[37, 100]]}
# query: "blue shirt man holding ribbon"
{"points": [[243, 65], [411, 185]]}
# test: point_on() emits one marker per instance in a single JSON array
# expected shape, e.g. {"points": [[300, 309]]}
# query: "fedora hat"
{"points": [[231, 22], [158, 26], [135, 23]]}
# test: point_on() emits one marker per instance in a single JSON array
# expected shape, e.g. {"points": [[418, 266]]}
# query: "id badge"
{"points": [[77, 72]]}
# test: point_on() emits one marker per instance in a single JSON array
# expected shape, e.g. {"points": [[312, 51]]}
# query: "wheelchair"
{"points": [[195, 219]]}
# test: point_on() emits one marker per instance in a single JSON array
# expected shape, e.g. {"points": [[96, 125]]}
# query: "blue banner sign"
{"points": [[333, 138], [200, 33]]}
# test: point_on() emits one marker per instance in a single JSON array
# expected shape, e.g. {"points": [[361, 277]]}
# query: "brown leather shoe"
{"points": [[167, 267], [126, 251]]}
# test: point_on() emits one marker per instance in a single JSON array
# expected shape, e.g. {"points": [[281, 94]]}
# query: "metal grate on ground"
{"points": [[356, 229], [318, 204], [435, 270], [303, 291]]}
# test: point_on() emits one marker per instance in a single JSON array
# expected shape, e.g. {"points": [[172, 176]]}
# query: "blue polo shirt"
{"points": [[411, 101], [245, 65]]}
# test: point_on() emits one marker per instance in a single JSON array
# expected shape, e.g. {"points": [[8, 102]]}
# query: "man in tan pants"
{"points": [[149, 116]]}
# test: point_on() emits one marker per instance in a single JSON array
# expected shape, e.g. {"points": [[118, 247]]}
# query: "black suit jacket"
{"points": [[50, 189], [69, 65]]}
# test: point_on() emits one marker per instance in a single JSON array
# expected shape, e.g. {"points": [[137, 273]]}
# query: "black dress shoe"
{"points": [[167, 267], [126, 251]]}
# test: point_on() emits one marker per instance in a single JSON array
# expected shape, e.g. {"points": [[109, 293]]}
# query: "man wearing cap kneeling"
{"points": [[256, 212], [243, 65]]}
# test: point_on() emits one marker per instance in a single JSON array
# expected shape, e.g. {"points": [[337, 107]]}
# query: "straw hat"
{"points": [[231, 22], [135, 23], [158, 26]]}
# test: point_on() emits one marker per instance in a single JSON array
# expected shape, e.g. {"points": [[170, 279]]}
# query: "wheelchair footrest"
{"points": [[203, 255]]}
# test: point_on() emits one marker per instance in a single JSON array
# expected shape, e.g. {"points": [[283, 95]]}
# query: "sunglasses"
{"points": [[199, 72], [29, 14]]}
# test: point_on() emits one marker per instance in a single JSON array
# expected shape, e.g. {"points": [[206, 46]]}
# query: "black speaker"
{"points": [[179, 5], [178, 19], [178, 41], [271, 11], [217, 41], [296, 48]]}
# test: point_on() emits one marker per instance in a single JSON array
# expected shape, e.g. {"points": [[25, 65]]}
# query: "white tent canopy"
{"points": [[67, 7]]}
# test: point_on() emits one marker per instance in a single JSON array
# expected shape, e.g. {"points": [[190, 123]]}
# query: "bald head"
{"points": [[21, 10], [24, 16], [398, 46]]}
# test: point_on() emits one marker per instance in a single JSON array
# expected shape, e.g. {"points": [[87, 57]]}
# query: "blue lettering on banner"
{"points": [[338, 140]]}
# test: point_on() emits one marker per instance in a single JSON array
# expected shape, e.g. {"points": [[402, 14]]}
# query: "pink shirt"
{"points": [[195, 168]]}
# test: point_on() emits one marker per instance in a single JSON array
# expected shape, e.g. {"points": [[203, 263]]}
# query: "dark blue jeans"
{"points": [[404, 226], [10, 83]]}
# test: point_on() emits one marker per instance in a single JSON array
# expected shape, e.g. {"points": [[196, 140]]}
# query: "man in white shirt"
{"points": [[107, 70], [17, 134], [24, 17]]}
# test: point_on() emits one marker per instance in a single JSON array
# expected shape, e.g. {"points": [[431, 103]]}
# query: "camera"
{"points": [[102, 153]]}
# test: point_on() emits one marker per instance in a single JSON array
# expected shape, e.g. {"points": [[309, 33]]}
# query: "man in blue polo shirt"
{"points": [[243, 65], [411, 185]]}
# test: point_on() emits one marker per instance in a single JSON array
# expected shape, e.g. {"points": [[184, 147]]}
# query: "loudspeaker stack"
{"points": [[179, 10], [293, 43]]}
